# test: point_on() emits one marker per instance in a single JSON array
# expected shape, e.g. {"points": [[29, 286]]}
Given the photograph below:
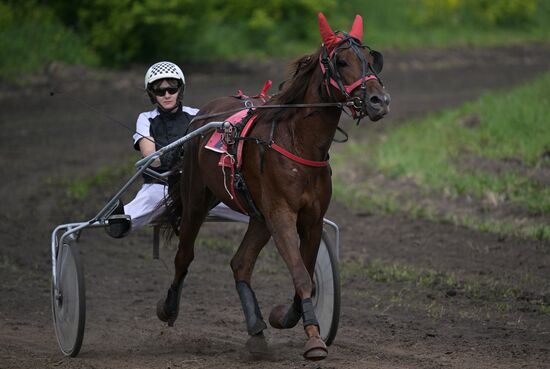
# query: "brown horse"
{"points": [[288, 191]]}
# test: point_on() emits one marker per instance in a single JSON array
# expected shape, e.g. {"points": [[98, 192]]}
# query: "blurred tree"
{"points": [[143, 30], [125, 31], [32, 36], [485, 13]]}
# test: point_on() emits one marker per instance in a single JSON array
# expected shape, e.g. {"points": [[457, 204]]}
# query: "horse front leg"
{"points": [[310, 238], [168, 308], [286, 316], [288, 243], [242, 264]]}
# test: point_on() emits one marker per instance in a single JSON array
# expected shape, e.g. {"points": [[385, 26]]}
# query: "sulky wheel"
{"points": [[326, 298], [69, 300]]}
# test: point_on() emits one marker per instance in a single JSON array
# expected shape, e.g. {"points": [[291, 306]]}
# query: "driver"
{"points": [[165, 86]]}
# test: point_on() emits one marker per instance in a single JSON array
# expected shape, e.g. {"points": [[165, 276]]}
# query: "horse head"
{"points": [[351, 71]]}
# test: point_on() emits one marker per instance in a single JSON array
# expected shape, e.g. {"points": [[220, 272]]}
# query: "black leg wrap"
{"points": [[254, 321], [171, 304], [292, 316], [308, 313]]}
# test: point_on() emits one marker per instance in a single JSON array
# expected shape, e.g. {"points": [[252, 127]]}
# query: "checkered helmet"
{"points": [[163, 70]]}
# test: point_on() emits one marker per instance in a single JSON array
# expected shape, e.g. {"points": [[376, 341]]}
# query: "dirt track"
{"points": [[387, 322]]}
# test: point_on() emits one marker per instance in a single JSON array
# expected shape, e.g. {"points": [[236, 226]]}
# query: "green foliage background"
{"points": [[134, 30], [32, 36], [111, 33]]}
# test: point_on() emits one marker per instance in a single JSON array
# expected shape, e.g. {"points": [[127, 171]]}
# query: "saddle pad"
{"points": [[216, 143]]}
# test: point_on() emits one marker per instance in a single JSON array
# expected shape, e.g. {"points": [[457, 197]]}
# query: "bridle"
{"points": [[332, 77]]}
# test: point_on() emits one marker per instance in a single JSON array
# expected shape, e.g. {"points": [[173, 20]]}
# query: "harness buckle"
{"points": [[229, 135], [357, 103]]}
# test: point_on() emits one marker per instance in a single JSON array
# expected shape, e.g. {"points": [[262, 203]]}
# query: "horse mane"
{"points": [[293, 90]]}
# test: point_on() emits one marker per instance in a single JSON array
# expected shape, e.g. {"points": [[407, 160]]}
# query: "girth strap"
{"points": [[240, 186]]}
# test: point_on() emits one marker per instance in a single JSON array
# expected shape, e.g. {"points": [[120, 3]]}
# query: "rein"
{"points": [[205, 116], [271, 144], [249, 105]]}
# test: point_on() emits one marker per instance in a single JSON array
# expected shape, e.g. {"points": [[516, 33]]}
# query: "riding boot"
{"points": [[118, 223]]}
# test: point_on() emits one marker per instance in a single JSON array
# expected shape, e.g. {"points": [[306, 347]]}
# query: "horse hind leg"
{"points": [[242, 264], [168, 308]]}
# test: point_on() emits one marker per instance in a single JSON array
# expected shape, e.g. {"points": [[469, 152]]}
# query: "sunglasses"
{"points": [[162, 91]]}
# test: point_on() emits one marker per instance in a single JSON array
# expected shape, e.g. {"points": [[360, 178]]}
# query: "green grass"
{"points": [[430, 151], [366, 199], [479, 287], [488, 151], [79, 188]]}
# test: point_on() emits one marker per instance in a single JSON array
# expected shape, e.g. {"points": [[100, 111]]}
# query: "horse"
{"points": [[284, 171]]}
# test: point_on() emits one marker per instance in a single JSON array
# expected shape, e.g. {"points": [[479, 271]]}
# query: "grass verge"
{"points": [[488, 161], [447, 285], [79, 188]]}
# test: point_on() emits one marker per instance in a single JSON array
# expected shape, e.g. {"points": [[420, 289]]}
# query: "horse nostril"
{"points": [[387, 99], [375, 100]]}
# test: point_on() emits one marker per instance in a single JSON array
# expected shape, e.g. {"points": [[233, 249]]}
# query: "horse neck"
{"points": [[313, 129]]}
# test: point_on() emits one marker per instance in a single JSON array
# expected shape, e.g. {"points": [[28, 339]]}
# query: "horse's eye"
{"points": [[341, 63]]}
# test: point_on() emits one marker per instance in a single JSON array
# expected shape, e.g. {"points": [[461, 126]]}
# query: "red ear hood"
{"points": [[357, 28], [330, 39], [328, 36]]}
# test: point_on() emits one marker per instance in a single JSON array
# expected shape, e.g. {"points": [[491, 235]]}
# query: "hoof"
{"points": [[283, 317], [163, 316], [257, 345], [315, 349], [257, 328], [167, 310]]}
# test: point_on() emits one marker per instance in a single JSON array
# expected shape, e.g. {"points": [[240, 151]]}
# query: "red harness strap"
{"points": [[275, 147], [298, 159], [262, 95], [227, 161]]}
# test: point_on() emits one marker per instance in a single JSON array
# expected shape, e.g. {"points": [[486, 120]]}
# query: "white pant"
{"points": [[145, 206]]}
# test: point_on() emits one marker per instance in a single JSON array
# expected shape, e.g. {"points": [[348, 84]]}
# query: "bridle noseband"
{"points": [[332, 77]]}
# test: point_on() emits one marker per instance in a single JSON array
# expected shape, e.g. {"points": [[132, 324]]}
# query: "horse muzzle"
{"points": [[377, 105]]}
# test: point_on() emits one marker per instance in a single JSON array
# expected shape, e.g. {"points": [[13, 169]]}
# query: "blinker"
{"points": [[377, 61]]}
